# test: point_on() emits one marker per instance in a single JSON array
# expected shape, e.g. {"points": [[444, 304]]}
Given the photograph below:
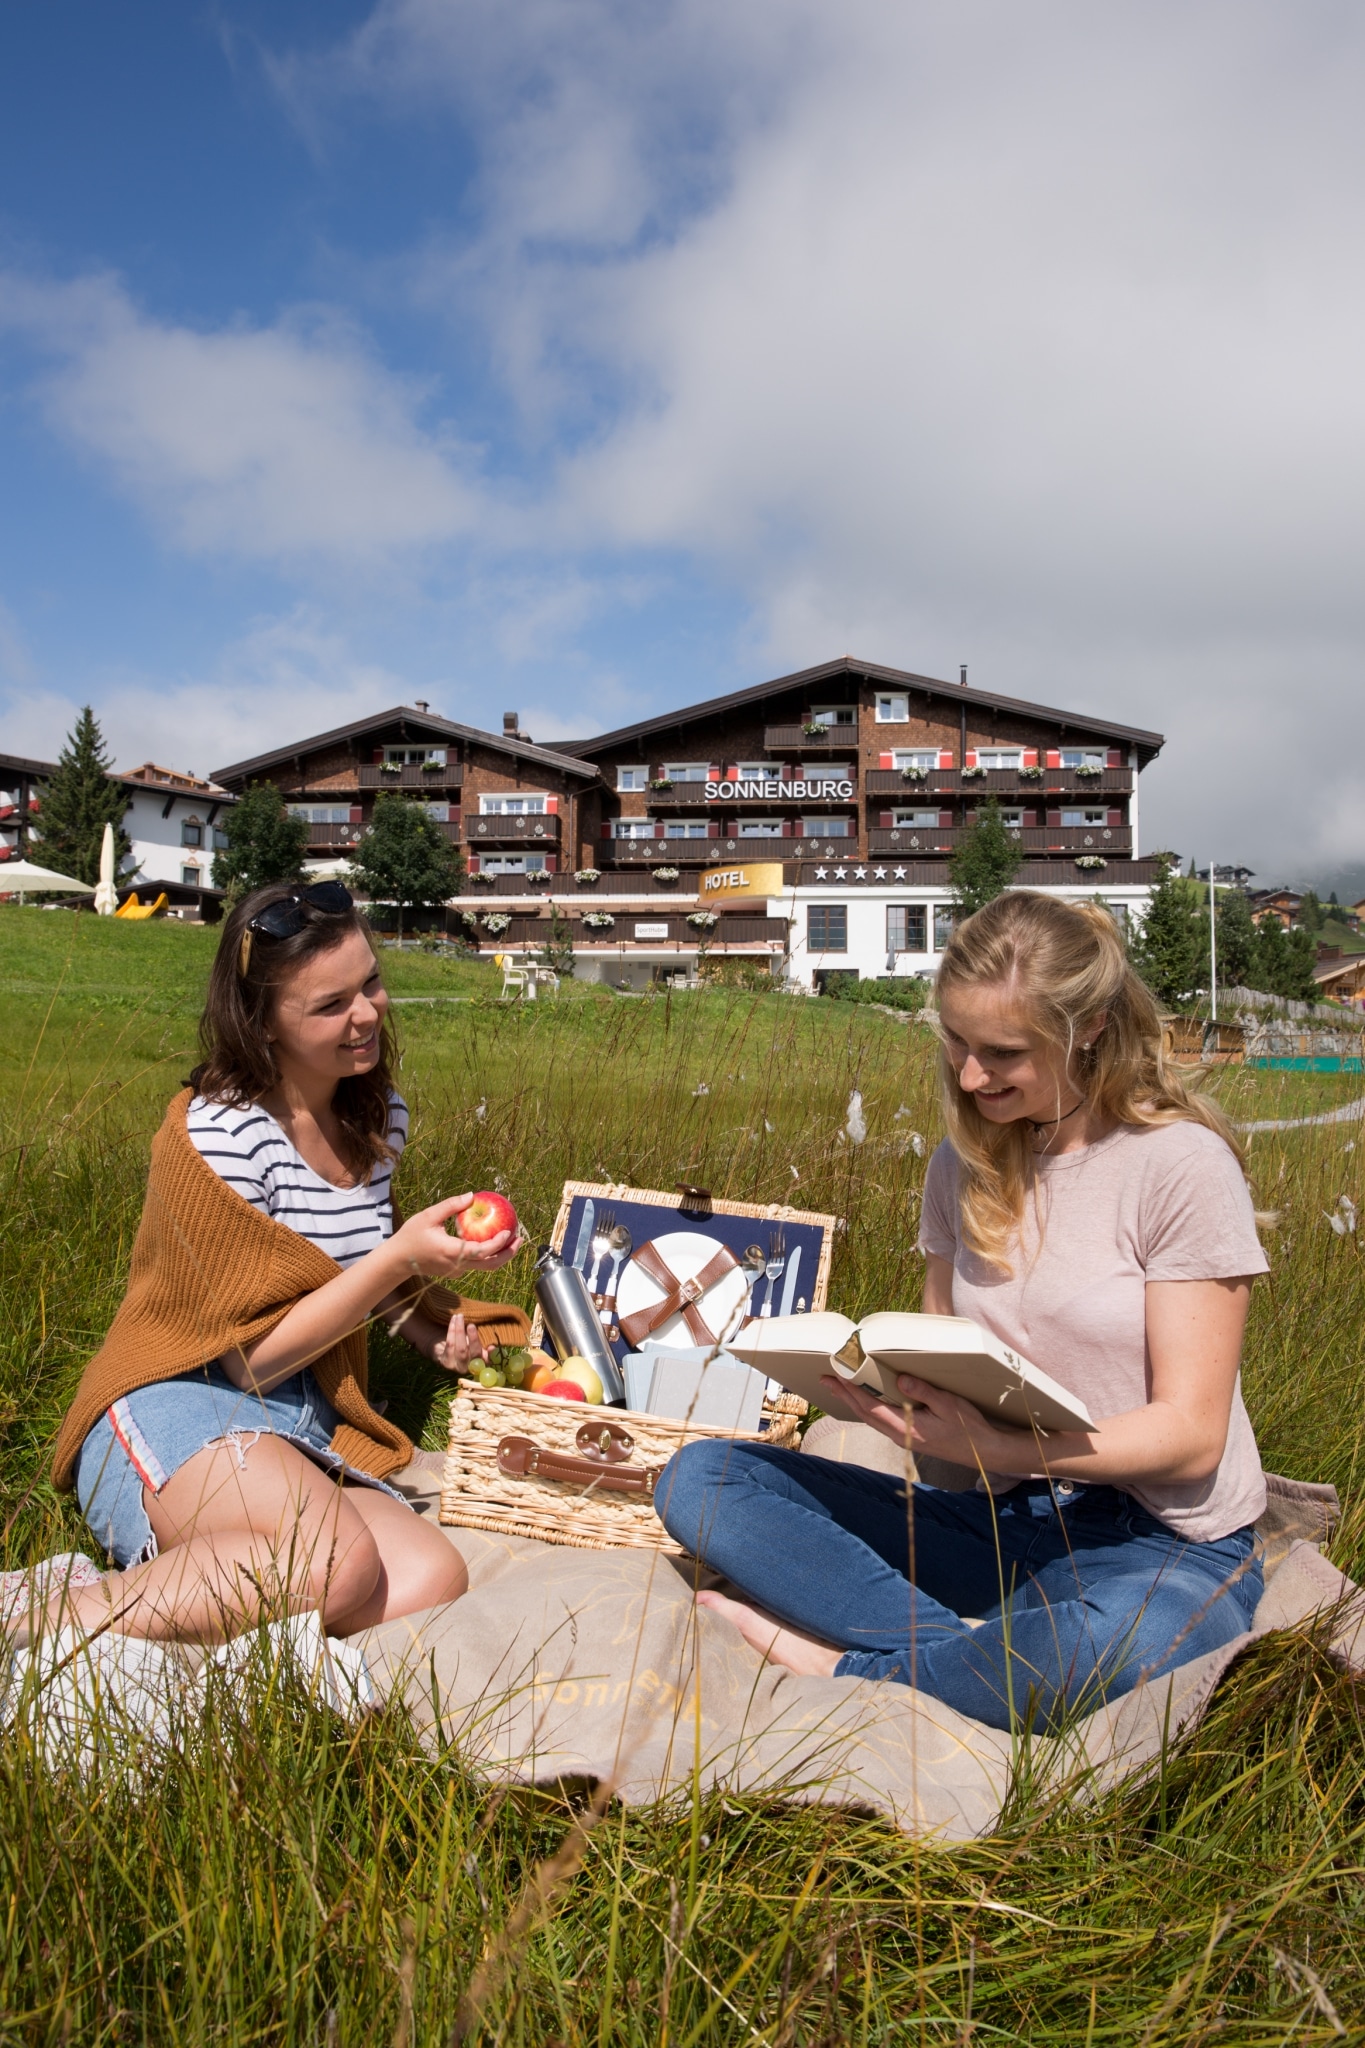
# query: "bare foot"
{"points": [[785, 1646]]}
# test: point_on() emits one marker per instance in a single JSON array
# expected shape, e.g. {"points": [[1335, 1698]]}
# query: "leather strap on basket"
{"points": [[678, 1294], [519, 1458]]}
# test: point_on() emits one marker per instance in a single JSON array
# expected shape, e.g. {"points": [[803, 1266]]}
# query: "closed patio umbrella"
{"points": [[106, 896]]}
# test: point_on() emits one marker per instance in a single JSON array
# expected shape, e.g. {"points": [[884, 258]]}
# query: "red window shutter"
{"points": [[798, 830], [1030, 757], [606, 828], [1114, 758], [473, 863], [713, 828], [713, 773], [945, 759], [886, 760], [357, 815], [1116, 817], [1054, 817], [970, 761], [970, 818], [552, 806], [884, 821], [1054, 757], [552, 863], [1030, 818], [945, 819], [378, 755]]}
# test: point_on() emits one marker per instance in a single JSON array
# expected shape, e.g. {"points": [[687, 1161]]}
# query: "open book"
{"points": [[949, 1351]]}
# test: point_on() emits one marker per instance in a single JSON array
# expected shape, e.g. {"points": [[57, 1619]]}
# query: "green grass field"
{"points": [[292, 1880]]}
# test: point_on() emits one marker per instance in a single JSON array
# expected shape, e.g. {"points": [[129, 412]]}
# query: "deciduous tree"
{"points": [[266, 843], [986, 861], [405, 858]]}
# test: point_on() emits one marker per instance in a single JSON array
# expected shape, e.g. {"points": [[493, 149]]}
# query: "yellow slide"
{"points": [[132, 909]]}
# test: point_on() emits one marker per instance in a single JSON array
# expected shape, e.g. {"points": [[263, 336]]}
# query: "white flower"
{"points": [[903, 1111], [482, 1109], [917, 1144], [1348, 1211], [856, 1127], [1338, 1224], [767, 1126], [795, 1174], [701, 1089]]}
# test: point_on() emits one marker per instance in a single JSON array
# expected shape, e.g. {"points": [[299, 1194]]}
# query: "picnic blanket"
{"points": [[571, 1664]]}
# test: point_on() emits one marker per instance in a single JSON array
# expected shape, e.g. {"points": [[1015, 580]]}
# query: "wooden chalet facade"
{"points": [[859, 780]]}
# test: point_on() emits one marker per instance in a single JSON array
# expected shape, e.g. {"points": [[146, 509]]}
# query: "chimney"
{"points": [[963, 677], [510, 724], [422, 704]]}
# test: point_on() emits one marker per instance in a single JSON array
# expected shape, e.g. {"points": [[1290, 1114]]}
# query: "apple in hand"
{"points": [[486, 1215], [578, 1369]]}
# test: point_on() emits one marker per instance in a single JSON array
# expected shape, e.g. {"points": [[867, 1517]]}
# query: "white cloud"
{"points": [[270, 443]]}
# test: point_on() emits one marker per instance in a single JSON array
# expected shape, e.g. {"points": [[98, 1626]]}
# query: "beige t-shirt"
{"points": [[1163, 1204]]}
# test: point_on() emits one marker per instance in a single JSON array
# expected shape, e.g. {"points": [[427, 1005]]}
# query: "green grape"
{"points": [[489, 1376]]}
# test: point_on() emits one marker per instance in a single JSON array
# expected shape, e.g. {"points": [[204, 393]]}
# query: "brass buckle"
{"points": [[691, 1290]]}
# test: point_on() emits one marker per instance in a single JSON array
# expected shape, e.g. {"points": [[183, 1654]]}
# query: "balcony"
{"points": [[653, 853], [411, 776], [1109, 840], [515, 831], [321, 836], [529, 931], [783, 740], [999, 782]]}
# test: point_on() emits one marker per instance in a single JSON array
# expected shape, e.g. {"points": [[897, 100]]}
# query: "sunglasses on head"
{"points": [[286, 917]]}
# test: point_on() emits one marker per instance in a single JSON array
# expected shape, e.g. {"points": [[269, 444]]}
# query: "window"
{"points": [[511, 864], [828, 828], [1118, 911], [190, 875], [827, 771], [1012, 820], [220, 839], [687, 771], [1081, 757], [827, 928], [914, 757], [999, 757], [943, 925], [1085, 817], [417, 756], [440, 812], [907, 927], [686, 828], [892, 710], [919, 818], [191, 832], [512, 806], [321, 814], [760, 828], [760, 771], [834, 714], [635, 828], [631, 779]]}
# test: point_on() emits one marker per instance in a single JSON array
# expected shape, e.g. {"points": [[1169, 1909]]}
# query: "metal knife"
{"points": [[580, 1257], [789, 1284]]}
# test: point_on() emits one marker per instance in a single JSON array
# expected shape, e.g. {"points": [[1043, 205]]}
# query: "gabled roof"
{"points": [[165, 780], [421, 725], [1148, 744], [19, 764]]}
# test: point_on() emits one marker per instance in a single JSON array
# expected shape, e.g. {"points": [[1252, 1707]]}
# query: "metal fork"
{"points": [[601, 1245], [775, 1267]]}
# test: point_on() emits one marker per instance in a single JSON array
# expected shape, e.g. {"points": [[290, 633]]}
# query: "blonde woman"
{"points": [[1092, 1213]]}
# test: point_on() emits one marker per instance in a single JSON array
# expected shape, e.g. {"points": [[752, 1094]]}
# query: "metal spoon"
{"points": [[621, 1243], [753, 1263]]}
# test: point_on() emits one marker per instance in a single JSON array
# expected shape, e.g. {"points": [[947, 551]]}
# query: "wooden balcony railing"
{"points": [[998, 782], [409, 775], [528, 930], [1115, 840], [522, 831], [833, 739], [325, 836]]}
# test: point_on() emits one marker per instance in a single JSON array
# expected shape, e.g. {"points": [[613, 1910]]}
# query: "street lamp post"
{"points": [[1213, 941]]}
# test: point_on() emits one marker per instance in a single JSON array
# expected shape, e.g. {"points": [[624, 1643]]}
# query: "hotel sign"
{"points": [[765, 789], [751, 878]]}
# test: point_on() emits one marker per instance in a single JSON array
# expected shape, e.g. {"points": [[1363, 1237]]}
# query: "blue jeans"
{"points": [[1078, 1591]]}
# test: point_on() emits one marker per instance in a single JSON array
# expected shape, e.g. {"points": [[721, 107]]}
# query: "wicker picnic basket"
{"points": [[575, 1475]]}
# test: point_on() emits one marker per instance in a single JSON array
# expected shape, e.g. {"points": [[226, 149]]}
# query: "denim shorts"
{"points": [[146, 1437]]}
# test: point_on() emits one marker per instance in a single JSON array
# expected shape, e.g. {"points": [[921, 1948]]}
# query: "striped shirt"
{"points": [[249, 1150]]}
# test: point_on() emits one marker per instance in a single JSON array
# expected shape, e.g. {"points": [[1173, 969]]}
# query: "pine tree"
{"points": [[265, 843], [1311, 916], [405, 858], [1171, 946], [557, 952], [80, 800], [1283, 963], [986, 861], [1236, 940]]}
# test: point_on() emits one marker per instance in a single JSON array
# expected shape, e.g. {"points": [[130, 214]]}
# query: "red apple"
{"points": [[486, 1215], [564, 1390]]}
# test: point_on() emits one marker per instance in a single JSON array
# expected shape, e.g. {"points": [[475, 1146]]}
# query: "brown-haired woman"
{"points": [[221, 1442], [1093, 1214]]}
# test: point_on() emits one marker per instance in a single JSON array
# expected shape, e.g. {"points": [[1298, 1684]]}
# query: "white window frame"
{"points": [[1076, 821], [631, 781], [635, 828], [989, 757], [322, 814], [828, 828], [1082, 757], [1012, 817], [924, 758], [514, 804], [760, 771], [511, 863], [405, 757], [687, 771], [892, 708], [840, 717], [761, 828], [686, 828], [915, 821], [827, 771]]}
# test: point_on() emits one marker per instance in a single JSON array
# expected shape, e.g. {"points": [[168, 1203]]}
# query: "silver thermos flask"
{"points": [[574, 1323]]}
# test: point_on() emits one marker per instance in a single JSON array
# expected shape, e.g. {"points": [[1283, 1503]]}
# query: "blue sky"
{"points": [[579, 357]]}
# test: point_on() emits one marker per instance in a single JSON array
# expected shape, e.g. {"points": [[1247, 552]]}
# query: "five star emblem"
{"points": [[839, 874], [879, 874], [820, 874], [900, 874], [860, 874]]}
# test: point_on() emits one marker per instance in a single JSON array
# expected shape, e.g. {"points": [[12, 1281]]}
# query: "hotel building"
{"points": [[838, 794]]}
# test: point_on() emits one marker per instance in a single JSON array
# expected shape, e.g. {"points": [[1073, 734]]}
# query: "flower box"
{"points": [[661, 782], [539, 878], [1091, 860], [599, 920], [586, 876], [702, 920], [665, 874], [496, 921], [1088, 768]]}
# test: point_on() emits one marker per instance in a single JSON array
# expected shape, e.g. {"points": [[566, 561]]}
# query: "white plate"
{"points": [[684, 1252]]}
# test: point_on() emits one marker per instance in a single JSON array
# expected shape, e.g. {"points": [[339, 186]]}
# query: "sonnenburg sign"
{"points": [[759, 789]]}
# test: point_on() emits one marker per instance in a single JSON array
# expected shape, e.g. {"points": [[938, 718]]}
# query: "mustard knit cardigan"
{"points": [[210, 1275]]}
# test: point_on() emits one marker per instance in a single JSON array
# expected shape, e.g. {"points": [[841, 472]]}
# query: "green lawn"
{"points": [[291, 1880]]}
